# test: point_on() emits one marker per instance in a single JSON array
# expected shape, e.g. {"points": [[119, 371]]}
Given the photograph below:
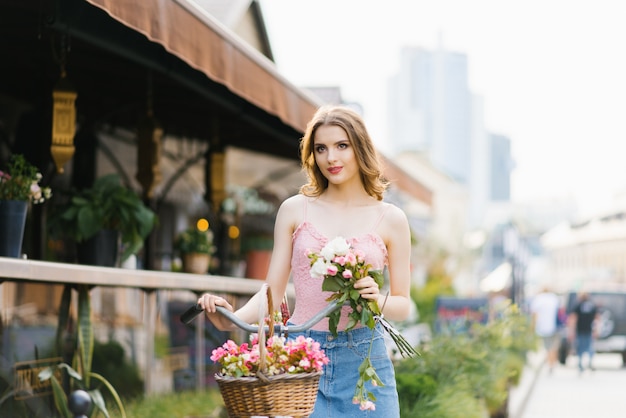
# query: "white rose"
{"points": [[338, 246], [318, 269]]}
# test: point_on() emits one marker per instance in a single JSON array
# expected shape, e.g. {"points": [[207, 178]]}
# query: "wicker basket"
{"points": [[291, 395]]}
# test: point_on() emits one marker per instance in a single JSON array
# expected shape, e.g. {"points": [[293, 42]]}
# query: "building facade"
{"points": [[589, 251]]}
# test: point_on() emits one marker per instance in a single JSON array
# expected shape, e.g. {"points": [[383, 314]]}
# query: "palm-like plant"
{"points": [[80, 371], [106, 205]]}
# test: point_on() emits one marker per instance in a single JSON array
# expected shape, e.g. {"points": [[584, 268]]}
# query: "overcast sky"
{"points": [[552, 74]]}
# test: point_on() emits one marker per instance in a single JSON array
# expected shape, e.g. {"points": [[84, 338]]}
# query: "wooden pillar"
{"points": [[200, 349], [215, 184], [150, 314]]}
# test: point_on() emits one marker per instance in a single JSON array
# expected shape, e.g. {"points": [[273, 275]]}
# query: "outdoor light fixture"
{"points": [[217, 180], [63, 122]]}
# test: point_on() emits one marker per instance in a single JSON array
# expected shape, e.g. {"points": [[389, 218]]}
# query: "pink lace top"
{"points": [[309, 297]]}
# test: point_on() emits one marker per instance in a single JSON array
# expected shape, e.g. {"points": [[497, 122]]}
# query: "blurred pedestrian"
{"points": [[582, 320], [544, 308]]}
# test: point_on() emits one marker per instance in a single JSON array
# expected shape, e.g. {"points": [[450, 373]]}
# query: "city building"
{"points": [[591, 250], [501, 166], [430, 109], [433, 111]]}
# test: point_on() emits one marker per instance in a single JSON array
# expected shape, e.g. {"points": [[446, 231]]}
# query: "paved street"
{"points": [[565, 393]]}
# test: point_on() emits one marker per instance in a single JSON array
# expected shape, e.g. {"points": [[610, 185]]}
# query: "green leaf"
{"points": [[88, 224], [64, 315], [376, 379], [364, 365], [85, 331], [98, 401], [367, 318], [373, 306], [330, 285], [333, 321], [351, 323], [113, 392], [73, 373], [60, 399]]}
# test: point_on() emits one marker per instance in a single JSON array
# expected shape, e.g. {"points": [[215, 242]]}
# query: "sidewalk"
{"points": [[520, 394]]}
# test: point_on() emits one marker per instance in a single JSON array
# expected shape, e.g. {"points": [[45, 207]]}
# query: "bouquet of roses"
{"points": [[302, 355], [341, 266]]}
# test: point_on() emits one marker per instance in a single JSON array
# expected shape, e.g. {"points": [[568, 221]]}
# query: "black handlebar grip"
{"points": [[191, 313]]}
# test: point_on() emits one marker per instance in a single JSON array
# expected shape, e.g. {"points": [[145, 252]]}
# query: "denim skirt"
{"points": [[346, 352]]}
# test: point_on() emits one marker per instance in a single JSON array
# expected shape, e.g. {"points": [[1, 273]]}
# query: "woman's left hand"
{"points": [[368, 288]]}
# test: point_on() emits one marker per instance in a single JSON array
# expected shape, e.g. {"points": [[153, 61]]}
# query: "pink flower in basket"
{"points": [[302, 355]]}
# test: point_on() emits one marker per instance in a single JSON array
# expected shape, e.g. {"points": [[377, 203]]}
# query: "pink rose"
{"points": [[367, 406]]}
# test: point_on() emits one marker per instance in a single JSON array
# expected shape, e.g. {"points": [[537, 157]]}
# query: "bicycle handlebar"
{"points": [[279, 328]]}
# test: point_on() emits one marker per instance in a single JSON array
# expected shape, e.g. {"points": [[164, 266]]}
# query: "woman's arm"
{"points": [[277, 277], [397, 235]]}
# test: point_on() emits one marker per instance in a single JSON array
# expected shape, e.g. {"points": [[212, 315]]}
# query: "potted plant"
{"points": [[257, 247], [106, 209], [195, 247], [19, 186], [256, 212]]}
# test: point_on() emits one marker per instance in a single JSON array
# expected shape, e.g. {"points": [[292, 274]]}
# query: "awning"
{"points": [[401, 179], [203, 43]]}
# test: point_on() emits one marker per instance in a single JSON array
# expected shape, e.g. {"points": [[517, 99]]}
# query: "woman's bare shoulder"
{"points": [[394, 216], [293, 202], [291, 209]]}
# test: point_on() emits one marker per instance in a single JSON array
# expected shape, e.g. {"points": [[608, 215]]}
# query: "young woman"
{"points": [[343, 197]]}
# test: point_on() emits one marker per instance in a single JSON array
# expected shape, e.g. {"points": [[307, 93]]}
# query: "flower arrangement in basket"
{"points": [[269, 376], [340, 266]]}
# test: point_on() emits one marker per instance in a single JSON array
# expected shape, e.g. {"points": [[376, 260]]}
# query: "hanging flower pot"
{"points": [[12, 223]]}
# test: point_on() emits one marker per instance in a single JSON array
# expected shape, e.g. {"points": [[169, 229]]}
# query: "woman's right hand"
{"points": [[209, 302]]}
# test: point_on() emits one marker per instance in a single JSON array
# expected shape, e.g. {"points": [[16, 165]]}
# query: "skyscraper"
{"points": [[501, 167], [430, 109]]}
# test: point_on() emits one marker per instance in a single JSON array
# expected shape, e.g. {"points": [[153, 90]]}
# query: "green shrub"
{"points": [[448, 402], [466, 375], [414, 387]]}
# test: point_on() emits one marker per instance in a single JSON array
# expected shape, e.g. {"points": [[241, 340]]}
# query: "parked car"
{"points": [[611, 327]]}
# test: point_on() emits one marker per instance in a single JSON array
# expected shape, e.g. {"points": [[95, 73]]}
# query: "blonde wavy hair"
{"points": [[370, 166]]}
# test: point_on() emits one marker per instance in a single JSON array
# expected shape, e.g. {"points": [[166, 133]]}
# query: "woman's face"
{"points": [[334, 154]]}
